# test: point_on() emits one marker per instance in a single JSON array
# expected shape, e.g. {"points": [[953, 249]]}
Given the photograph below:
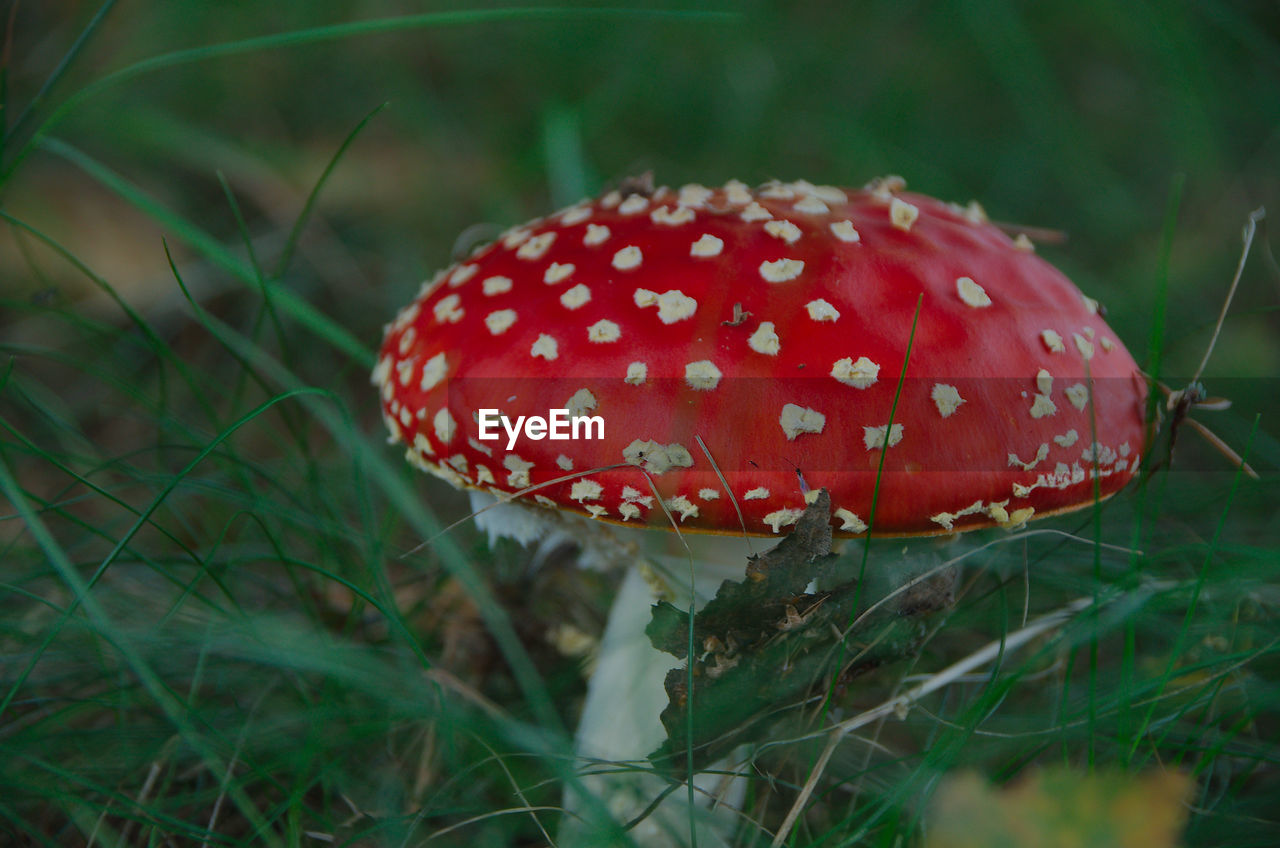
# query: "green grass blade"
{"points": [[295, 233], [68, 59], [213, 250]]}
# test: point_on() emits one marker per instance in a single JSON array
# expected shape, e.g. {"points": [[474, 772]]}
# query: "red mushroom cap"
{"points": [[773, 324]]}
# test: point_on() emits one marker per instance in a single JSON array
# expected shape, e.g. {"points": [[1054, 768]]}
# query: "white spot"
{"points": [[546, 347], [1042, 406], [515, 237], [850, 522], [820, 310], [757, 494], [459, 463], [782, 518], [645, 298], [1089, 303], [1022, 242], [830, 194], [1042, 453], [755, 212], [636, 373], [596, 510], [633, 204], [484, 475], [1078, 394], [575, 215], [884, 187], [844, 231], [702, 375], [496, 285], [425, 290], [604, 330], [947, 519], [971, 293], [407, 339], [709, 494], [946, 398], [796, 419], [1067, 439], [781, 270], [707, 245], [811, 205], [684, 506], [631, 494], [655, 458], [784, 230], [464, 273], [444, 426], [610, 200], [628, 258], [811, 497], [406, 417], [1044, 382], [381, 371], [861, 374], [519, 468], [404, 370], [765, 340], [586, 490], [581, 403], [499, 321], [422, 445], [628, 511], [557, 273], [536, 246], [546, 501], [672, 216], [902, 214], [675, 306], [693, 195], [778, 191], [1107, 344], [480, 446], [596, 234], [974, 213], [873, 437], [575, 297], [1052, 341], [737, 193], [408, 315], [447, 310], [564, 463], [1083, 345]]}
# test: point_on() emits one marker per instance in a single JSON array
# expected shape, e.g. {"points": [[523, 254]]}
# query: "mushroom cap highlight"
{"points": [[770, 325]]}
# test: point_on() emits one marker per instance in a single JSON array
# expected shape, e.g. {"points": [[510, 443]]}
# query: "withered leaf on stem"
{"points": [[762, 644]]}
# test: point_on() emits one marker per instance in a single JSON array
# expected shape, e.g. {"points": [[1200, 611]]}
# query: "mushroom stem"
{"points": [[620, 725]]}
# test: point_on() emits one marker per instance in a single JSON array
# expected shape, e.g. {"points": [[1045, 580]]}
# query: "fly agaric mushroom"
{"points": [[733, 350], [773, 324]]}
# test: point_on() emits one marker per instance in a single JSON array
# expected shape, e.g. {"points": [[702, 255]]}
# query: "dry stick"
{"points": [[948, 675], [1250, 229], [1175, 397]]}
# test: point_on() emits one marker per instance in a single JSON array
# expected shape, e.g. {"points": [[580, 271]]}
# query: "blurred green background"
{"points": [[265, 594], [1076, 116]]}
